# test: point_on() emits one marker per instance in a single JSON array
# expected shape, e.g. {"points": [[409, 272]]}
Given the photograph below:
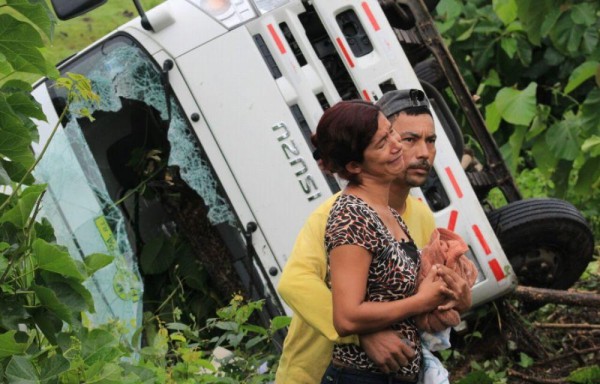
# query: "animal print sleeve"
{"points": [[351, 223]]}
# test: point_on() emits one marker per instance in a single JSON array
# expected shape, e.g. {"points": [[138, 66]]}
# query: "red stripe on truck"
{"points": [[497, 270], [454, 183], [484, 244], [452, 221], [345, 52], [372, 19], [275, 37]]}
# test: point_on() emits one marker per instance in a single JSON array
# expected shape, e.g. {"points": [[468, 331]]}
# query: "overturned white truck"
{"points": [[200, 147]]}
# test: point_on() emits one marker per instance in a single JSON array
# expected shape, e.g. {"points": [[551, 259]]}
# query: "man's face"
{"points": [[417, 134]]}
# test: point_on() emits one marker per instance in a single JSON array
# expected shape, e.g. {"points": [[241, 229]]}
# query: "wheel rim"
{"points": [[537, 267]]}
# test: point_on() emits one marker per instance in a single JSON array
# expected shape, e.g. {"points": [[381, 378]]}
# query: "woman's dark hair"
{"points": [[343, 133]]}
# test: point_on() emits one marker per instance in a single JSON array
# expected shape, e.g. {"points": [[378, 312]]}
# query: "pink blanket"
{"points": [[448, 248]]}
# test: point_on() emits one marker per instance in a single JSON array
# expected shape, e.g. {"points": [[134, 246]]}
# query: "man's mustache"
{"points": [[422, 164]]}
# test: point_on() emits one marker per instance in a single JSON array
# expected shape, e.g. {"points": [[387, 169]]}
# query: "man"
{"points": [[308, 346]]}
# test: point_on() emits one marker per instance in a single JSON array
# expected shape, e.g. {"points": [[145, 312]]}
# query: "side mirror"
{"points": [[68, 9]]}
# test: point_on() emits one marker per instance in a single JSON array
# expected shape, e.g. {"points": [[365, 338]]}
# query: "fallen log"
{"points": [[545, 296]]}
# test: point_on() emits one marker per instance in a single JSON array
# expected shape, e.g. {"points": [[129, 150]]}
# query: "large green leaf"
{"points": [[562, 138], [590, 112], [12, 311], [19, 43], [591, 145], [51, 302], [538, 17], [14, 136], [492, 117], [588, 176], [70, 291], [566, 35], [52, 367], [16, 171], [9, 346], [21, 371], [20, 213], [517, 107], [506, 10], [26, 105], [50, 257], [584, 13], [97, 261], [582, 73], [37, 12], [99, 345]]}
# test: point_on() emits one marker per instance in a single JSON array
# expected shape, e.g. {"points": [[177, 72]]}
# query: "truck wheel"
{"points": [[547, 241]]}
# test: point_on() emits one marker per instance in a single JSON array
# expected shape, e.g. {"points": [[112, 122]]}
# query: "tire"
{"points": [[547, 241]]}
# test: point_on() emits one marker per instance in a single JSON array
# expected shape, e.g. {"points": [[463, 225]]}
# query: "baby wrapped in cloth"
{"points": [[448, 248]]}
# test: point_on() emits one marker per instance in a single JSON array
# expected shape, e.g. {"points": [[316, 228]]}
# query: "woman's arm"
{"points": [[352, 314]]}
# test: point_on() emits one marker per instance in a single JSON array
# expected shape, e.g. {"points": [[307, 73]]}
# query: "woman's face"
{"points": [[383, 156]]}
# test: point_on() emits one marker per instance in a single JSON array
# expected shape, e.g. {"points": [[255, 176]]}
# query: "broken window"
{"points": [[135, 183]]}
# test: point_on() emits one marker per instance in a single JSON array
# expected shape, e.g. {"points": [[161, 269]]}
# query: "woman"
{"points": [[372, 259]]}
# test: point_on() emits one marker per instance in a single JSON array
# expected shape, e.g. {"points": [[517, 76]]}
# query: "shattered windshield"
{"points": [[111, 182]]}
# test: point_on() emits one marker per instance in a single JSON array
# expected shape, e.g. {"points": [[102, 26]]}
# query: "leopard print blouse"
{"points": [[392, 273]]}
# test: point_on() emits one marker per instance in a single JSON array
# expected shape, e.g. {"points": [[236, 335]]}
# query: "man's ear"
{"points": [[354, 167]]}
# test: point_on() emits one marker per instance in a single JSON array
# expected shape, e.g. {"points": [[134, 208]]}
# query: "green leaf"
{"points": [[13, 310], [25, 105], [9, 346], [509, 45], [583, 13], [591, 36], [492, 117], [590, 111], [16, 171], [14, 136], [48, 323], [108, 373], [563, 138], [19, 214], [19, 43], [279, 322], [96, 261], [20, 370], [52, 367], [50, 257], [592, 146], [588, 176], [37, 12], [476, 377], [538, 17], [582, 73], [566, 35], [50, 301], [157, 256], [517, 107], [99, 346], [15, 85], [586, 375], [506, 10], [525, 360]]}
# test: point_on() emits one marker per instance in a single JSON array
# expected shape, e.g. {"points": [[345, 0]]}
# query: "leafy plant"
{"points": [[536, 67]]}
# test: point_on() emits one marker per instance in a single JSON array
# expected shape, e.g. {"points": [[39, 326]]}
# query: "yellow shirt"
{"points": [[309, 343]]}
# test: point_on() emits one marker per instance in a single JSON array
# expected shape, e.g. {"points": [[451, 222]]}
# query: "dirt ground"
{"points": [[558, 338]]}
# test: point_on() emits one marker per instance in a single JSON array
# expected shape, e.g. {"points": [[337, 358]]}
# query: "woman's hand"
{"points": [[434, 291], [458, 285]]}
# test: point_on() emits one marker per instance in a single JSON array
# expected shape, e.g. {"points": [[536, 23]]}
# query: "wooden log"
{"points": [[545, 296]]}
